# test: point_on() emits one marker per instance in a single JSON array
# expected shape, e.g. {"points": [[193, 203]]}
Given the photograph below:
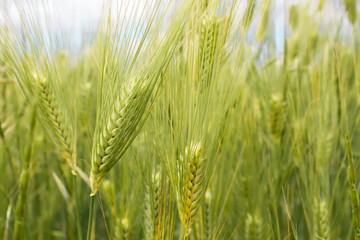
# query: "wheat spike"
{"points": [[107, 192], [115, 134], [194, 183], [253, 229], [350, 6], [148, 216], [207, 215], [277, 117], [293, 17], [248, 15], [57, 119], [125, 228], [322, 228], [151, 206], [321, 5], [207, 46], [261, 31]]}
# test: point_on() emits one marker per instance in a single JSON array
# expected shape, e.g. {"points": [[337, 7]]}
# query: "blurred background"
{"points": [[78, 21]]}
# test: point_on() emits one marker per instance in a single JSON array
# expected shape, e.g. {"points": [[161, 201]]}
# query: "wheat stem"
{"points": [[76, 205], [24, 181], [91, 217], [20, 206]]}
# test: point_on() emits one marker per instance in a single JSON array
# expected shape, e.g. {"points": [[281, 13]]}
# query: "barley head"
{"points": [[261, 31], [194, 183], [207, 45], [207, 215], [151, 206], [321, 5], [57, 119], [350, 6], [277, 117], [249, 13], [114, 136], [253, 229], [322, 225], [125, 228]]}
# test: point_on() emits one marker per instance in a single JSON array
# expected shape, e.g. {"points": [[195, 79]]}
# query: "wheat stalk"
{"points": [[20, 206], [24, 182]]}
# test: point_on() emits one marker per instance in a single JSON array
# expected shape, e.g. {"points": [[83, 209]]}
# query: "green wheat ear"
{"points": [[253, 230], [350, 6], [248, 15], [125, 228], [151, 206], [107, 192], [56, 119], [207, 215], [322, 226], [277, 116], [261, 31], [119, 127], [207, 46], [321, 5], [194, 183]]}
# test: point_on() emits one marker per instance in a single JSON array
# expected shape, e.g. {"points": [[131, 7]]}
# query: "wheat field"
{"points": [[180, 119]]}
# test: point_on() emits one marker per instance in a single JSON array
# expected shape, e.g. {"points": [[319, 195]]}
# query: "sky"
{"points": [[78, 20]]}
